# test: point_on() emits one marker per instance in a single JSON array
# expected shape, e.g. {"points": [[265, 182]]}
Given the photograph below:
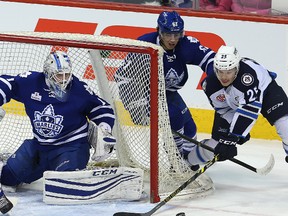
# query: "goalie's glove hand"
{"points": [[108, 139], [226, 147], [103, 142], [109, 143]]}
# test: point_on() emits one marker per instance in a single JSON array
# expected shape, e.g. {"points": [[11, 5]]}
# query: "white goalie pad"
{"points": [[90, 186]]}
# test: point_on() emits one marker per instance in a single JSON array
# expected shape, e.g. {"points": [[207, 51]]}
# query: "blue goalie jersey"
{"points": [[54, 122]]}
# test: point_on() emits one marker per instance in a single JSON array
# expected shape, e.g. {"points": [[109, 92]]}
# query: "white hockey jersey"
{"points": [[240, 103]]}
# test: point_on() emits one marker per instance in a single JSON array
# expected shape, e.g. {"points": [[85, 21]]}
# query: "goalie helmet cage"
{"points": [[96, 60]]}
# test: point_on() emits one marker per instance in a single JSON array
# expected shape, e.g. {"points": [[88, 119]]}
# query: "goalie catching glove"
{"points": [[101, 139]]}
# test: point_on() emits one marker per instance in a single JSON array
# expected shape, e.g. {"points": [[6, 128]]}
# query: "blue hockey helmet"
{"points": [[170, 22]]}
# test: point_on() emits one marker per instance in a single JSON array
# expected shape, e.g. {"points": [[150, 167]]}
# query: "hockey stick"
{"points": [[262, 171], [173, 194]]}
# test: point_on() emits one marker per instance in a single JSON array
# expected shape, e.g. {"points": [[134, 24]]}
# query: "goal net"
{"points": [[142, 128]]}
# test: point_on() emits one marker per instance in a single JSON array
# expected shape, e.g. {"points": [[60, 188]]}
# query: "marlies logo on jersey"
{"points": [[247, 79], [47, 123], [221, 97], [172, 78], [36, 96]]}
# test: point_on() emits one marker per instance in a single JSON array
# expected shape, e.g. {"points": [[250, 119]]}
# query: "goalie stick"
{"points": [[173, 194], [262, 171]]}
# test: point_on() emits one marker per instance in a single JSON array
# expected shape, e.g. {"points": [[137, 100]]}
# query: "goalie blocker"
{"points": [[90, 186]]}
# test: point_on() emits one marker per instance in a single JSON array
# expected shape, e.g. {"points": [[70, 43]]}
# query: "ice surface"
{"points": [[238, 192]]}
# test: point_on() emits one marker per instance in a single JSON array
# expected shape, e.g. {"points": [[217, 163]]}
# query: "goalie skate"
{"points": [[5, 204]]}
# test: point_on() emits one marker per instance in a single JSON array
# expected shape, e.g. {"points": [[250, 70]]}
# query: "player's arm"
{"points": [[11, 87], [6, 87], [250, 105], [199, 54], [102, 118], [132, 80], [243, 120]]}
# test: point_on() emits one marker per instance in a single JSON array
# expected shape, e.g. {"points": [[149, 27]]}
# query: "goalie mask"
{"points": [[57, 70], [226, 64]]}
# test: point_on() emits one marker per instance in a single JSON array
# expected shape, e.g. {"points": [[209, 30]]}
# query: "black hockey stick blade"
{"points": [[173, 194], [262, 171]]}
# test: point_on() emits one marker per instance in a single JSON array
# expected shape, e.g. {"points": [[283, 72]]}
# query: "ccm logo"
{"points": [[274, 107], [104, 172], [227, 142]]}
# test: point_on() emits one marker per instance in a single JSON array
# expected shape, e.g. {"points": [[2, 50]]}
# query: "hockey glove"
{"points": [[226, 147], [109, 140], [101, 139]]}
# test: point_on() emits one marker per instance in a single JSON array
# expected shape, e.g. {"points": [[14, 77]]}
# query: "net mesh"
{"points": [[101, 62]]}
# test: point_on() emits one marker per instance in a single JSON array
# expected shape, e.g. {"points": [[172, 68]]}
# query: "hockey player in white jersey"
{"points": [[239, 91], [58, 105]]}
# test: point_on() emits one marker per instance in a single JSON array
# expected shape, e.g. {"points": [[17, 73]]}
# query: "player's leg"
{"points": [[22, 166], [181, 121], [275, 110], [200, 155], [69, 158]]}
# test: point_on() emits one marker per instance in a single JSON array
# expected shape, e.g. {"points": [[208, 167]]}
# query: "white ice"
{"points": [[238, 192]]}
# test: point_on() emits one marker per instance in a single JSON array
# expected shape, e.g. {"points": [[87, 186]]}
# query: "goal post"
{"points": [[97, 60]]}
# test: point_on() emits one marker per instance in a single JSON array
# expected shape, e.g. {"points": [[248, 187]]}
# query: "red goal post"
{"points": [[95, 60]]}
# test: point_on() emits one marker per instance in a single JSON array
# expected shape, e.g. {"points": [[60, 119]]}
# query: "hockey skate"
{"points": [[5, 204]]}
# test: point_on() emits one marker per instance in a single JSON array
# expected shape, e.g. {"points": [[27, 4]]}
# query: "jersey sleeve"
{"points": [[99, 110], [198, 54], [133, 78], [8, 88]]}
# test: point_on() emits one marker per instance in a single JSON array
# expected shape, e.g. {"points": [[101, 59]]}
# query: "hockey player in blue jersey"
{"points": [[180, 51], [239, 91], [58, 105]]}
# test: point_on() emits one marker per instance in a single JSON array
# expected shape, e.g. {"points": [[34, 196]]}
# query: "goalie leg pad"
{"points": [[90, 186]]}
